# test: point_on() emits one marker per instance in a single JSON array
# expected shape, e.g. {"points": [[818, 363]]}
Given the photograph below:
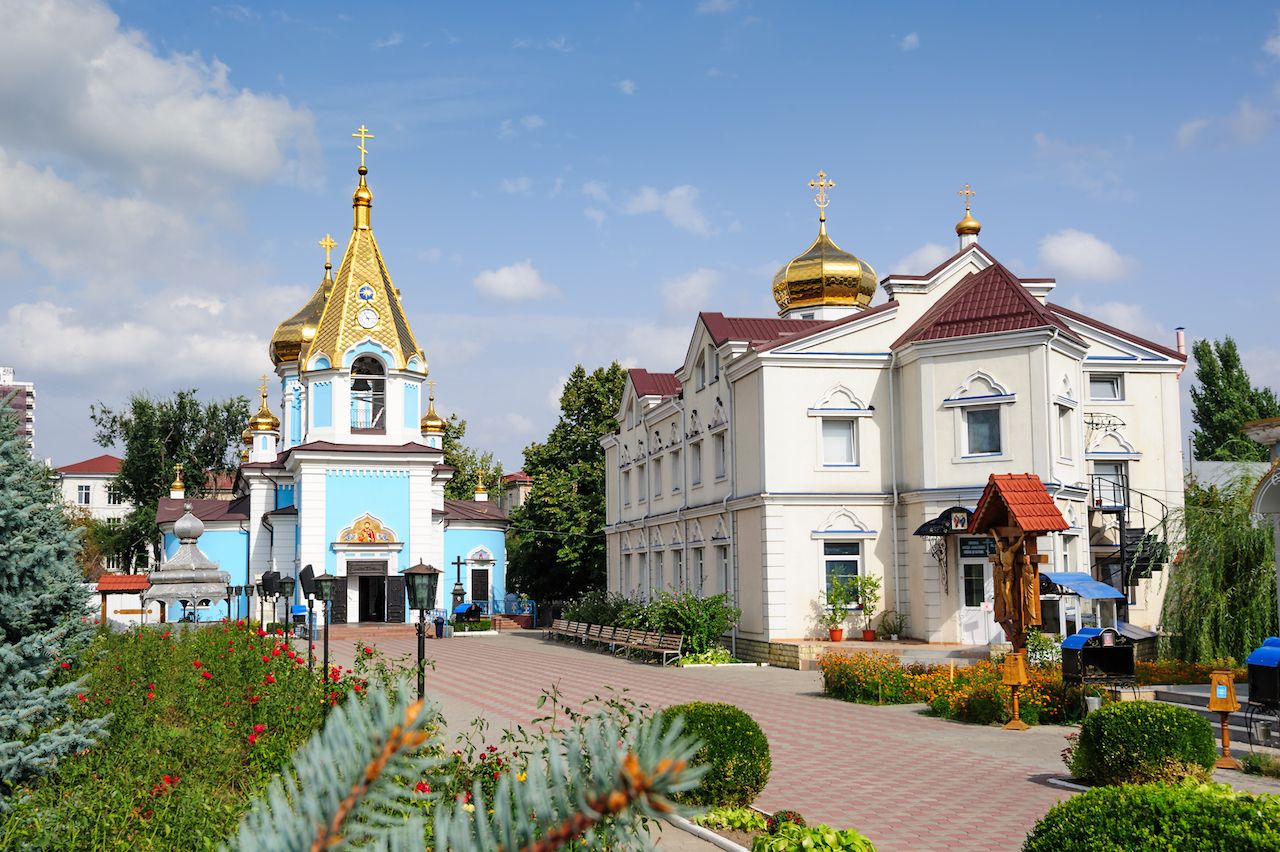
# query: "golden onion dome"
{"points": [[362, 197], [432, 423], [264, 420], [295, 332], [968, 225], [246, 438], [824, 274]]}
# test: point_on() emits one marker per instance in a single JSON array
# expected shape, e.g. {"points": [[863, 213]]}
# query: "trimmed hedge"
{"points": [[733, 746], [1159, 818], [1133, 742]]}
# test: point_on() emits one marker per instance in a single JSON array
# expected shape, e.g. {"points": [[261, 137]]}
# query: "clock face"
{"points": [[365, 293], [367, 318]]}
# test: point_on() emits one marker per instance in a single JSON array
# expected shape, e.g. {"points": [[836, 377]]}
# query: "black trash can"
{"points": [[439, 627]]}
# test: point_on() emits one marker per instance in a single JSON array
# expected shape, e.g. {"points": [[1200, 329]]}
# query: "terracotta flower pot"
{"points": [[837, 634], [868, 635]]}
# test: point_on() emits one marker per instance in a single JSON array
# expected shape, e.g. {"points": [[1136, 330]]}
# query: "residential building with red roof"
{"points": [[836, 438]]}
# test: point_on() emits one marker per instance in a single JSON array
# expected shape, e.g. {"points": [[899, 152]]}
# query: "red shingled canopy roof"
{"points": [[654, 384], [123, 583], [1026, 500], [98, 464]]}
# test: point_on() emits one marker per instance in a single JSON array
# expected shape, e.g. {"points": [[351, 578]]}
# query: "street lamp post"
{"points": [[324, 588], [422, 580], [286, 591], [230, 589], [311, 632], [262, 600]]}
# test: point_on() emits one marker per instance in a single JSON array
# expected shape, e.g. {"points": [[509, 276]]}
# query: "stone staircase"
{"points": [[1195, 697], [505, 623]]}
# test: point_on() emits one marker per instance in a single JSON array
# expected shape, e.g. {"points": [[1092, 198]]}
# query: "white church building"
{"points": [[842, 436]]}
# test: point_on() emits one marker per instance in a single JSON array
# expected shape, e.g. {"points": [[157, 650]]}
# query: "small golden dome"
{"points": [[824, 274], [264, 420], [177, 485], [968, 225], [246, 438], [290, 335], [432, 423], [362, 197]]}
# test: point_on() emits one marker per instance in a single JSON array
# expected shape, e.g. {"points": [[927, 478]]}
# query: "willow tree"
{"points": [[1221, 600]]}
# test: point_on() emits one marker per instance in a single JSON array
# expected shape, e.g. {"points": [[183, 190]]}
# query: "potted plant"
{"points": [[866, 591], [836, 607], [892, 624]]}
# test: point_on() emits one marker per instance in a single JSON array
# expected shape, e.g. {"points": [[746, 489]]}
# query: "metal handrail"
{"points": [[1137, 510]]}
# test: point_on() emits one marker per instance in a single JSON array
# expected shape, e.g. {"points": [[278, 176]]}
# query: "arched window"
{"points": [[368, 396]]}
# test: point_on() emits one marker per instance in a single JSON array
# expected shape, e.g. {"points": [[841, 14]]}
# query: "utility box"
{"points": [[1098, 655], [1264, 674]]}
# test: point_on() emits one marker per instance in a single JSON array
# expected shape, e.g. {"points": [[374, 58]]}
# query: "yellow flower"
{"points": [[520, 777], [469, 808]]}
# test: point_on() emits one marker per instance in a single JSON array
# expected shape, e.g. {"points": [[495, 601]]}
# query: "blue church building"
{"points": [[350, 478]]}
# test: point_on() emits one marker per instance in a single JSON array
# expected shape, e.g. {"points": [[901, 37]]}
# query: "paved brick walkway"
{"points": [[910, 782]]}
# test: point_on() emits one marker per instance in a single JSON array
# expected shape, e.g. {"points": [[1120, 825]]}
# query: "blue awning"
{"points": [[1080, 583]]}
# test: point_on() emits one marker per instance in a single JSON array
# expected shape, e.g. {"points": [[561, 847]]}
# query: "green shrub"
{"points": [[1159, 818], [780, 819], [739, 819], [596, 607], [713, 657], [702, 621], [1132, 742], [794, 837], [733, 746]]}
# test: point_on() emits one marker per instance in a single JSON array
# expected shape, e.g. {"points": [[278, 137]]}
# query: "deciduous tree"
{"points": [[557, 548], [1222, 400], [473, 466]]}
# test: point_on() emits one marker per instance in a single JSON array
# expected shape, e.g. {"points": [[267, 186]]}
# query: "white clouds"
{"points": [[516, 282], [518, 423], [921, 260], [1249, 124], [1087, 166], [390, 41], [517, 185], [595, 214], [910, 41], [106, 97], [508, 127], [627, 87], [1272, 44], [678, 205], [1127, 317], [1189, 131], [690, 292], [595, 190], [1084, 257], [556, 391], [707, 7]]}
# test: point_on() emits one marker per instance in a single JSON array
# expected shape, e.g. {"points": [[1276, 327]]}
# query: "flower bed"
{"points": [[1178, 671], [976, 694], [200, 719]]}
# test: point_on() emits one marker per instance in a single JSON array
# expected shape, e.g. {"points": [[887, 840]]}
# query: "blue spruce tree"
{"points": [[43, 609]]}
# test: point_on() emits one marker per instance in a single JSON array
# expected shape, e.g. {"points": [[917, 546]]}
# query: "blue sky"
{"points": [[556, 183]]}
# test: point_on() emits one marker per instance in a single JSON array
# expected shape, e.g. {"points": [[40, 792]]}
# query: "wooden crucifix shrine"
{"points": [[1015, 510]]}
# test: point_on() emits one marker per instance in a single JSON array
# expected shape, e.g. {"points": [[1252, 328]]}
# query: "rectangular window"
{"points": [[1066, 434], [700, 371], [695, 572], [722, 564], [643, 573], [982, 430], [1109, 483], [113, 496], [718, 447], [715, 365], [626, 488], [840, 441], [677, 569], [113, 522], [626, 574], [83, 493], [840, 559], [695, 462], [974, 591], [677, 472], [658, 583], [1106, 387], [657, 479], [642, 483]]}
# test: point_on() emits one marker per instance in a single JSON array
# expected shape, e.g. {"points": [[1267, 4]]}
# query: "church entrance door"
{"points": [[977, 605], [370, 581], [480, 585]]}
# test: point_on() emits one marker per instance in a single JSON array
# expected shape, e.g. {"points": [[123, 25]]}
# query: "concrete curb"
{"points": [[458, 633], [705, 834], [725, 666], [1068, 785]]}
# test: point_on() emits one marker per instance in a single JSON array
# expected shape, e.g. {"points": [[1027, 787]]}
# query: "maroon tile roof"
{"points": [[518, 476], [827, 324], [1111, 329], [108, 464], [473, 510], [120, 583], [654, 384], [1024, 498], [169, 509], [754, 330], [986, 302], [284, 510]]}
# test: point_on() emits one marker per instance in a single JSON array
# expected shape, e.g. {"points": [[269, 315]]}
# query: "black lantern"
{"points": [[271, 583], [286, 588], [422, 581], [325, 586]]}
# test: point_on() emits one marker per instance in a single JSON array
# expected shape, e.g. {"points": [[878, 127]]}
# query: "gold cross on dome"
{"points": [[431, 388], [966, 193], [822, 184], [362, 134], [262, 388], [327, 244]]}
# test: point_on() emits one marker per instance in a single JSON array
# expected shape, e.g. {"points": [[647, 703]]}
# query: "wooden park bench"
{"points": [[669, 645]]}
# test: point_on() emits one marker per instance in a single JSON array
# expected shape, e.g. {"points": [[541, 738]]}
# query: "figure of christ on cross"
{"points": [[1017, 591]]}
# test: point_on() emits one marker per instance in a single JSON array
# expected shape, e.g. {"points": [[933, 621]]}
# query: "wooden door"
{"points": [[395, 600]]}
